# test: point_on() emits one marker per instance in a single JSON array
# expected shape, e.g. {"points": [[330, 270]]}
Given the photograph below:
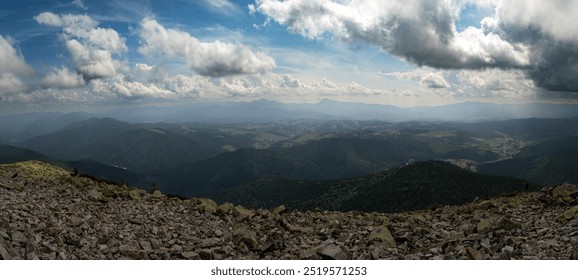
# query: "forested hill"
{"points": [[415, 186]]}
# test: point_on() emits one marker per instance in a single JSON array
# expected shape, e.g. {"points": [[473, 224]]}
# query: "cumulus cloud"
{"points": [[13, 68], [549, 31], [427, 78], [119, 87], [489, 83], [555, 18], [420, 31], [215, 59], [96, 51], [62, 78], [434, 81], [538, 37]]}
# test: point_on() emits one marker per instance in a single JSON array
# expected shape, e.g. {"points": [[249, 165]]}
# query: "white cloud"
{"points": [[143, 67], [557, 18], [428, 78], [12, 60], [214, 59], [421, 31], [119, 87], [538, 37], [79, 4], [490, 83], [72, 23], [433, 81], [222, 6], [62, 78], [10, 83], [95, 50], [13, 68]]}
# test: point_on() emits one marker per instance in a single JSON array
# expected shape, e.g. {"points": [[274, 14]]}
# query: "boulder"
{"points": [[191, 255], [333, 252], [273, 242], [474, 254], [135, 195], [225, 208], [243, 214], [491, 224], [565, 193], [205, 205], [158, 195], [95, 195], [18, 237], [4, 253], [382, 235], [568, 214], [278, 210], [246, 236], [206, 254]]}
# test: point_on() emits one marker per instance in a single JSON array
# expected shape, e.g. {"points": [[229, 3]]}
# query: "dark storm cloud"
{"points": [[538, 37]]}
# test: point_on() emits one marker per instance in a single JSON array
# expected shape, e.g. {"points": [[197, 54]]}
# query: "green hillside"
{"points": [[411, 187]]}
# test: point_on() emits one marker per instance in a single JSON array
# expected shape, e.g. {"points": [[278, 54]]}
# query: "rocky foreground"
{"points": [[46, 213]]}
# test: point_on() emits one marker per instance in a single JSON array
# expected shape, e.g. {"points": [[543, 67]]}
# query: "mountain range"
{"points": [[237, 160]]}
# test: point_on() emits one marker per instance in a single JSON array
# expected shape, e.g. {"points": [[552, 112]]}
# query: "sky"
{"points": [[82, 54]]}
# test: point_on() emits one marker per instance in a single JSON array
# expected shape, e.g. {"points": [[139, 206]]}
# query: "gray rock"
{"points": [[273, 242], [4, 253], [474, 254], [278, 210], [569, 214], [333, 252], [191, 255], [18, 237], [383, 235], [209, 242], [241, 213], [206, 254], [95, 195], [205, 205], [246, 236]]}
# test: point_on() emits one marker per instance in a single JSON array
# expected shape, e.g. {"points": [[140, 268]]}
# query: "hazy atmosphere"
{"points": [[92, 55], [289, 130]]}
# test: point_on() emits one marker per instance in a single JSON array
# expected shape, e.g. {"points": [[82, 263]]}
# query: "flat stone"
{"points": [[383, 235], [209, 242], [135, 195], [278, 210], [191, 255], [158, 195], [246, 236], [205, 205], [473, 254], [4, 253], [19, 237], [225, 208], [568, 214], [95, 195], [333, 252], [206, 254], [241, 212]]}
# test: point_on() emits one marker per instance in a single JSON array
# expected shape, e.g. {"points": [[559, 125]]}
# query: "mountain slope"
{"points": [[353, 155], [550, 162], [65, 143], [411, 187], [147, 150], [231, 169], [48, 214], [10, 154]]}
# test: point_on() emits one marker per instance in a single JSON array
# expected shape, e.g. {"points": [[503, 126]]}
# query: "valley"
{"points": [[323, 163]]}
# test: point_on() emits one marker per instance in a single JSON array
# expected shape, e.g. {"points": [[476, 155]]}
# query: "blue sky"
{"points": [[64, 55]]}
